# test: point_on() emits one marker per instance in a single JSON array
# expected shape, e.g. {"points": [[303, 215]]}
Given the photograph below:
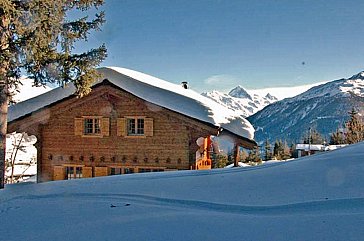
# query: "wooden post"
{"points": [[39, 146], [236, 155]]}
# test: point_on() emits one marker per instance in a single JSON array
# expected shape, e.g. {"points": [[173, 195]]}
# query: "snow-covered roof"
{"points": [[153, 90], [27, 90], [312, 147], [317, 147], [240, 164]]}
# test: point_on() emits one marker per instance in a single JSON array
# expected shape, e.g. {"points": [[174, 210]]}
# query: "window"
{"points": [[92, 126], [141, 170], [115, 171], [73, 172], [135, 127], [128, 170]]}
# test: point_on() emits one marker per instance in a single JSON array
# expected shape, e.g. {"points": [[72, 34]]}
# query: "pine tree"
{"points": [[254, 157], [281, 151], [338, 137], [278, 149], [243, 156], [267, 150], [355, 128], [220, 160], [313, 137], [286, 154], [37, 38]]}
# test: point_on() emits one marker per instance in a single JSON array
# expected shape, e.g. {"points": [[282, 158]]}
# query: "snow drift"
{"points": [[320, 197]]}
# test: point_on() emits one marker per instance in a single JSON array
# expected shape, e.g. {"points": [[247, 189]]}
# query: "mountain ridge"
{"points": [[240, 100], [324, 107]]}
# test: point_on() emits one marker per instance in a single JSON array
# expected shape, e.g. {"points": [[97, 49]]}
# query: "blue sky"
{"points": [[216, 44]]}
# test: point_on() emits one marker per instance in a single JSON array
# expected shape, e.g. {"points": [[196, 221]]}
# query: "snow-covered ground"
{"points": [[20, 149], [320, 197], [25, 167]]}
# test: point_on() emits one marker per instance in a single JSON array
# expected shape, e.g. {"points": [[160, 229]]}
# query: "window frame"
{"points": [[128, 170], [96, 125], [116, 171], [135, 126], [76, 173]]}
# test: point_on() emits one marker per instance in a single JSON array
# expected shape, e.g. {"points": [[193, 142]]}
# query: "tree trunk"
{"points": [[3, 130]]}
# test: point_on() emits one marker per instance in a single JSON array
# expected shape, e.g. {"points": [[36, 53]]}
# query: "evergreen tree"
{"points": [[267, 150], [338, 137], [278, 149], [281, 151], [243, 156], [355, 128], [286, 151], [220, 160], [292, 150], [313, 137], [254, 157], [37, 38], [352, 132]]}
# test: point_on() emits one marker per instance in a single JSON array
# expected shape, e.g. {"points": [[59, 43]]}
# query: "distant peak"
{"points": [[271, 97], [239, 92], [211, 93], [358, 76]]}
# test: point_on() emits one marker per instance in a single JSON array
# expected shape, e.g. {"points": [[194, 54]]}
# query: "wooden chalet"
{"points": [[130, 123]]}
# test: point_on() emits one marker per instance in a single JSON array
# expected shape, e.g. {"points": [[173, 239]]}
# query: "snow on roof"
{"points": [[312, 147], [317, 147], [240, 164], [28, 106], [154, 90], [27, 90], [334, 147]]}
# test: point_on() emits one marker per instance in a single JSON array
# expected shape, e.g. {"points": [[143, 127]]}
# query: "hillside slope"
{"points": [[323, 107]]}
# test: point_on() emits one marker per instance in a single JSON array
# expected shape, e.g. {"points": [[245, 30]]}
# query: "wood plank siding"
{"points": [[167, 141]]}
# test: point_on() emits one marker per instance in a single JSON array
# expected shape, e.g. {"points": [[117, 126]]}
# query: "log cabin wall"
{"points": [[170, 144]]}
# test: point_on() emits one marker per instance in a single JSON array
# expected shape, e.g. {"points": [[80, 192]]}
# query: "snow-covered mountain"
{"points": [[323, 107], [285, 91], [239, 100]]}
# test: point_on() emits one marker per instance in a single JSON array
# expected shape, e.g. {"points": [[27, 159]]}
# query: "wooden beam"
{"points": [[236, 155]]}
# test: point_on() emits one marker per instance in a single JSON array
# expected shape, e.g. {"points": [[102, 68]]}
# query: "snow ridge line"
{"points": [[323, 207]]}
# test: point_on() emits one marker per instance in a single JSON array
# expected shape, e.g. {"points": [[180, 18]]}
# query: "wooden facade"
{"points": [[111, 132]]}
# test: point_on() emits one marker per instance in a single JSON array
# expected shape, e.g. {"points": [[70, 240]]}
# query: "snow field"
{"points": [[320, 197]]}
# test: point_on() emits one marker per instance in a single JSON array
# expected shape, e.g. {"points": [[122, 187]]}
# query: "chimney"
{"points": [[185, 84]]}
